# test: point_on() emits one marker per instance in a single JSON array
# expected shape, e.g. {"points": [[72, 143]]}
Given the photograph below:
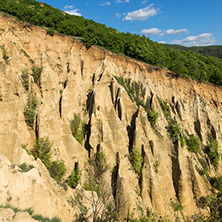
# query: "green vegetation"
{"points": [[30, 110], [213, 151], [156, 166], [217, 183], [25, 79], [147, 216], [42, 150], [38, 217], [212, 203], [99, 163], [57, 170], [25, 168], [4, 53], [25, 53], [193, 144], [212, 50], [75, 178], [176, 205], [36, 73], [136, 93], [186, 63], [165, 107], [205, 171], [176, 132], [78, 128], [136, 160]]}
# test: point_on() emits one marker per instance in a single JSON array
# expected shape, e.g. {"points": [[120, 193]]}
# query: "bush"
{"points": [[99, 163], [78, 128], [152, 117], [75, 178], [213, 152], [193, 144], [217, 183], [36, 73], [41, 150], [176, 205], [136, 160], [204, 171], [174, 130], [57, 170], [25, 79], [25, 168], [50, 32], [5, 53], [30, 110]]}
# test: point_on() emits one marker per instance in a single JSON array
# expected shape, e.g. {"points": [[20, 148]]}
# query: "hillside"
{"points": [[213, 50], [186, 63], [137, 141]]}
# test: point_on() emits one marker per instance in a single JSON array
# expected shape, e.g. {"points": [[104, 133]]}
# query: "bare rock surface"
{"points": [[78, 81]]}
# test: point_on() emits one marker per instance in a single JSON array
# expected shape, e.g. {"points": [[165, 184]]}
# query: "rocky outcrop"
{"points": [[75, 80]]}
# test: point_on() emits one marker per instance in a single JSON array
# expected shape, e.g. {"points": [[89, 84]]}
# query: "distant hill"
{"points": [[186, 63], [213, 50]]}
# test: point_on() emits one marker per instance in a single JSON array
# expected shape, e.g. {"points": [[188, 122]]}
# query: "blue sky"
{"points": [[184, 22]]}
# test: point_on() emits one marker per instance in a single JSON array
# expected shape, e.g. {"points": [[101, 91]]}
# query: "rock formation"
{"points": [[84, 82]]}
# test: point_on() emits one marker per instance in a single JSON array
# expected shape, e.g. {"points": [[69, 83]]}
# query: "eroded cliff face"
{"points": [[75, 80]]}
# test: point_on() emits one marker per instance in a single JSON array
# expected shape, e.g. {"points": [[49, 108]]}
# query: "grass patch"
{"points": [[25, 167], [25, 79], [193, 144], [78, 128], [30, 110]]}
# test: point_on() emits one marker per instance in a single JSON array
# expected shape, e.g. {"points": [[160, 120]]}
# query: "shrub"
{"points": [[75, 178], [136, 160], [205, 171], [0, 97], [193, 144], [41, 150], [174, 130], [99, 163], [25, 79], [50, 32], [30, 110], [213, 152], [5, 53], [217, 183], [176, 205], [165, 107], [57, 170], [152, 117], [36, 73], [78, 128], [25, 168]]}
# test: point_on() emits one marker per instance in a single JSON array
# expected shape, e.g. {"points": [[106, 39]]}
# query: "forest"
{"points": [[183, 62], [212, 50]]}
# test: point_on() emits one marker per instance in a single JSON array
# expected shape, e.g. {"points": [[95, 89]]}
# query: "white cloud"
{"points": [[144, 2], [118, 15], [162, 42], [142, 14], [106, 3], [199, 40], [173, 32], [121, 1], [152, 31], [70, 9]]}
